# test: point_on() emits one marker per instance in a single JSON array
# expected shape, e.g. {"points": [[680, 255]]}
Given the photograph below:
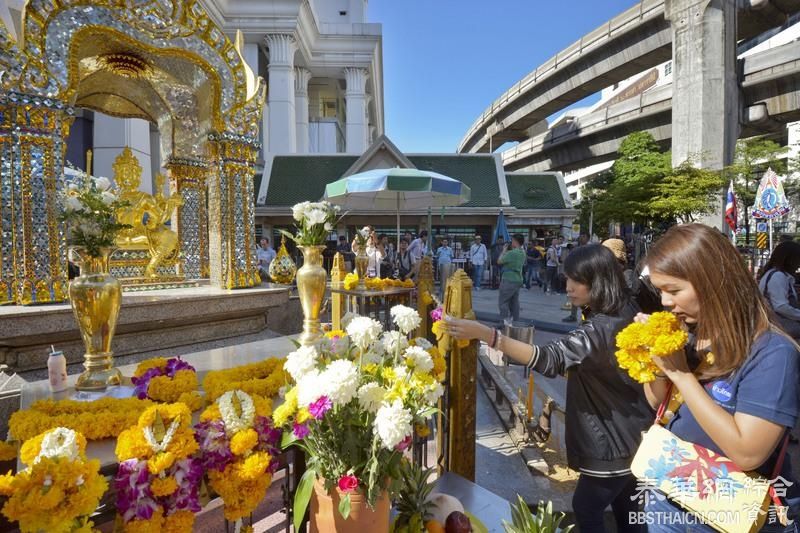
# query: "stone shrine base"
{"points": [[148, 321]]}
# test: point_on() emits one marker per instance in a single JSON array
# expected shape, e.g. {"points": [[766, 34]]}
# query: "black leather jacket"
{"points": [[606, 410]]}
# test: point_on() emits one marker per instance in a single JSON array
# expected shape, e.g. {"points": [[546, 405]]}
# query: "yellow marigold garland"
{"points": [[159, 453], [263, 379], [96, 420], [238, 458], [8, 451], [167, 380], [638, 343], [57, 492], [376, 284]]}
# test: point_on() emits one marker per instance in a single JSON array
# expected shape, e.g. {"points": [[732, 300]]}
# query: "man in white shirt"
{"points": [[419, 247], [551, 263], [265, 254], [478, 256]]}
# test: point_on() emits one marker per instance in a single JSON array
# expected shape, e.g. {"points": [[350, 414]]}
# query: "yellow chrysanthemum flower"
{"points": [[244, 441], [161, 462], [163, 486], [638, 343]]}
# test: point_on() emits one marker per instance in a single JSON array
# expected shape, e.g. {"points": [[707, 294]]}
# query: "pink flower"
{"points": [[348, 483], [437, 313], [403, 444], [300, 430], [320, 407]]}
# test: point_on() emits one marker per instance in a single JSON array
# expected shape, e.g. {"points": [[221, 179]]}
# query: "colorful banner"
{"points": [[770, 199]]}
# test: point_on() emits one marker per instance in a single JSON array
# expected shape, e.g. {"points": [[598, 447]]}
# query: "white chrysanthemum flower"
{"points": [[298, 210], [364, 331], [328, 226], [72, 203], [102, 183], [418, 359], [370, 396], [309, 388], [406, 318], [340, 381], [434, 393], [301, 361], [392, 339], [423, 343], [347, 318], [316, 216], [108, 197], [393, 424], [401, 371]]}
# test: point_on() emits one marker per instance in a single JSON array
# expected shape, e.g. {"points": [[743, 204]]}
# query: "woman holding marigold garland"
{"points": [[745, 395], [606, 410]]}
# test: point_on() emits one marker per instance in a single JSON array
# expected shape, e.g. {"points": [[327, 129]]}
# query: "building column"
{"points": [[355, 95], [188, 178], [282, 136], [705, 98], [111, 136], [301, 79]]}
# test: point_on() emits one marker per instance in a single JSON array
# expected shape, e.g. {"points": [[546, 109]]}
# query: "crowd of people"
{"points": [[734, 389]]}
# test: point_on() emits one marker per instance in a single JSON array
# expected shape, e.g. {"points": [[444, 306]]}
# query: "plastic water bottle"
{"points": [[57, 370]]}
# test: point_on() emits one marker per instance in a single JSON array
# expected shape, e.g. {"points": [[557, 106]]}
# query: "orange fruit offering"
{"points": [[434, 526]]}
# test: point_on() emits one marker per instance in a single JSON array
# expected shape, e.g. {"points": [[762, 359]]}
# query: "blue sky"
{"points": [[445, 61]]}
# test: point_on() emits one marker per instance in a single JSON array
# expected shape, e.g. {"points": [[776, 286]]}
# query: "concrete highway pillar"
{"points": [[705, 98]]}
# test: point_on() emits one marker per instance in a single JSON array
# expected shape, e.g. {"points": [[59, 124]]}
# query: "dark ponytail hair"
{"points": [[595, 265]]}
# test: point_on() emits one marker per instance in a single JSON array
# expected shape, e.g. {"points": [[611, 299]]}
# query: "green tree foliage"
{"points": [[643, 188], [685, 193]]}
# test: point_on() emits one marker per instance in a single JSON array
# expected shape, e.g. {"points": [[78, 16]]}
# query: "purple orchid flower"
{"points": [[134, 498], [215, 450]]}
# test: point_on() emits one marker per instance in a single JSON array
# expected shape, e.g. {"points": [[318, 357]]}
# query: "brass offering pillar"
{"points": [[456, 442], [33, 252], [188, 178], [424, 287], [338, 272], [231, 218]]}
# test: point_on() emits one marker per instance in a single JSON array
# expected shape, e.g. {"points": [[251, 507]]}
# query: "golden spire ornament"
{"points": [[282, 269]]}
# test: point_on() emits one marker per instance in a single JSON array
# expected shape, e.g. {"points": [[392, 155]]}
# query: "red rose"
{"points": [[348, 483]]}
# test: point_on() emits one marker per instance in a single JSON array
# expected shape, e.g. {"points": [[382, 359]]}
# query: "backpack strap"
{"points": [[766, 285]]}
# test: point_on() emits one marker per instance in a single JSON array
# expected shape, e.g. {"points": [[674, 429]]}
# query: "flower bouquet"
{"points": [[89, 212], [638, 343], [158, 480], [59, 489], [238, 450], [314, 221], [353, 409]]}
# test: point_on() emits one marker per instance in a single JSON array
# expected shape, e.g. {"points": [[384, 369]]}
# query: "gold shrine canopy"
{"points": [[163, 61]]}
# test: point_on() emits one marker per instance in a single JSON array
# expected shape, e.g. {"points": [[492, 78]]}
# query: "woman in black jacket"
{"points": [[606, 411]]}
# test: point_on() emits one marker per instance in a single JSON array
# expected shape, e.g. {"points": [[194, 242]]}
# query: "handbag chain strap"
{"points": [[778, 462]]}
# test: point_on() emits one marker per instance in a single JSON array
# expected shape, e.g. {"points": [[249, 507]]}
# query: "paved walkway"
{"points": [[542, 310]]}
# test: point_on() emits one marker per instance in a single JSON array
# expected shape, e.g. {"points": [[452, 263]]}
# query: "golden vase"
{"points": [[362, 265], [96, 297], [311, 281]]}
